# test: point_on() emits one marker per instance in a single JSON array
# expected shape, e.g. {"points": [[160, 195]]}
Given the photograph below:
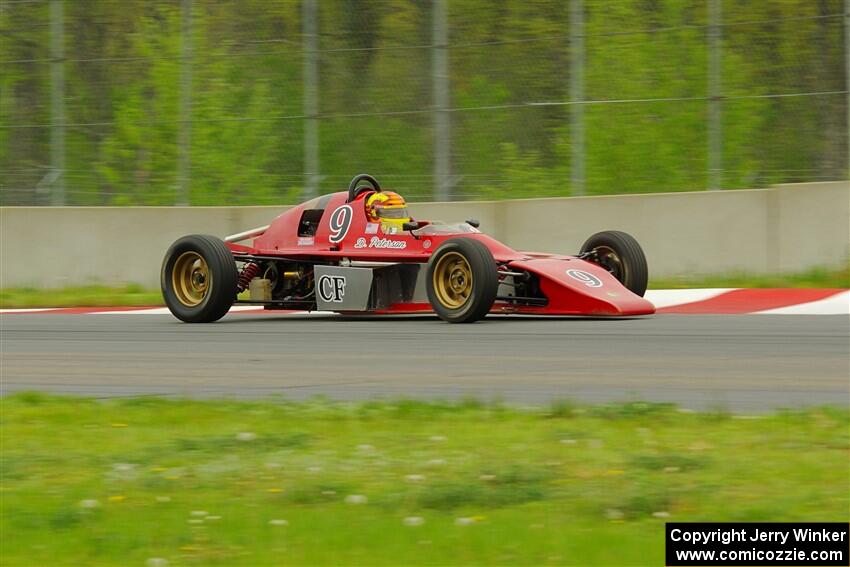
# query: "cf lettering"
{"points": [[331, 288]]}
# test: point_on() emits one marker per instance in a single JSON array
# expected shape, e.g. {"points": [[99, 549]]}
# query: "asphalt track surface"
{"points": [[741, 363]]}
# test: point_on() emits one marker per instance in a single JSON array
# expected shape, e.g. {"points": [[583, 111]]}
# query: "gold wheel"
{"points": [[452, 280], [191, 279]]}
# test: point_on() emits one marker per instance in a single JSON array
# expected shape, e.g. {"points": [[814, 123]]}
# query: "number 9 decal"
{"points": [[586, 278], [339, 222]]}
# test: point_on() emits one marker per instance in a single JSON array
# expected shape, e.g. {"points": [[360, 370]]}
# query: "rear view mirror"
{"points": [[410, 226]]}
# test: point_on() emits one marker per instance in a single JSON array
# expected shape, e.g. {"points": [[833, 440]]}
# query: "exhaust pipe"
{"points": [[240, 236]]}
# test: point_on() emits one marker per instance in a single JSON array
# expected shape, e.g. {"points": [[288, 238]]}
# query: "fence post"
{"points": [[715, 118], [440, 82], [309, 32], [57, 101], [184, 135], [577, 96]]}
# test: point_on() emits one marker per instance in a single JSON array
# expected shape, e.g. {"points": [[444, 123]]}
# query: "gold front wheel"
{"points": [[452, 280], [462, 280], [191, 278]]}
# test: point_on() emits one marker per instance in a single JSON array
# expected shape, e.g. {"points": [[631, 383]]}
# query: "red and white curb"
{"points": [[760, 301], [684, 301]]}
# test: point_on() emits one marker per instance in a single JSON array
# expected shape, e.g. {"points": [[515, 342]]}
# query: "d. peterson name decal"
{"points": [[377, 242]]}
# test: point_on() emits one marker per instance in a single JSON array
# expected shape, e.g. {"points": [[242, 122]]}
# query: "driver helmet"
{"points": [[389, 209]]}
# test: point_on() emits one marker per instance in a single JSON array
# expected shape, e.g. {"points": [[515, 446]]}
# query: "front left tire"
{"points": [[199, 279], [620, 254]]}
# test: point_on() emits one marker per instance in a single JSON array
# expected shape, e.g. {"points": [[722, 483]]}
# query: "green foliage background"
{"points": [[123, 69]]}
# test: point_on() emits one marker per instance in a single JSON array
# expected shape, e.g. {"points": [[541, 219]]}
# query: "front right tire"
{"points": [[198, 279], [462, 280]]}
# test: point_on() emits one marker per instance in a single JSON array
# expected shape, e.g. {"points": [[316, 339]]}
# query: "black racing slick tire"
{"points": [[199, 279], [620, 254], [462, 280]]}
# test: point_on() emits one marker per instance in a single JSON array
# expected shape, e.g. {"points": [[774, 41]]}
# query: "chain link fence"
{"points": [[265, 102]]}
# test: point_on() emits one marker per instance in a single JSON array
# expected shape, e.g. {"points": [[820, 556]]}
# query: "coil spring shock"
{"points": [[246, 275]]}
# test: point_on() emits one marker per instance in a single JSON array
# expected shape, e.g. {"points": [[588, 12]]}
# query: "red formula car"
{"points": [[360, 252]]}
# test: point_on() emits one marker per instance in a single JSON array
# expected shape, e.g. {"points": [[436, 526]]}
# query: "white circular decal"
{"points": [[586, 278]]}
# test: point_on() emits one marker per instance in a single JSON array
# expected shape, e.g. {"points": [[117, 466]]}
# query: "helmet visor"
{"points": [[392, 213]]}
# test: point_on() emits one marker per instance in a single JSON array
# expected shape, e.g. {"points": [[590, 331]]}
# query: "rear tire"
{"points": [[620, 254], [198, 279], [462, 280]]}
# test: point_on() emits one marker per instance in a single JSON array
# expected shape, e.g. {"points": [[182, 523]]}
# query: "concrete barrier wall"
{"points": [[788, 228]]}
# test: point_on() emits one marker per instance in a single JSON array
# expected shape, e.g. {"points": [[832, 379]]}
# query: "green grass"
{"points": [[81, 296], [815, 278], [104, 296], [119, 482]]}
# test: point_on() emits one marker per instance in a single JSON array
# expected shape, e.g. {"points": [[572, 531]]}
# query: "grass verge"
{"points": [[815, 278], [82, 296], [125, 482]]}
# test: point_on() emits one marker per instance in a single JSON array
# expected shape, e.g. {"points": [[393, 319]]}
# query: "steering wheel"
{"points": [[354, 191]]}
